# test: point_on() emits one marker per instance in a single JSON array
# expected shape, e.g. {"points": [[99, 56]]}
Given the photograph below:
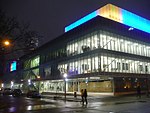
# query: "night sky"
{"points": [[49, 17]]}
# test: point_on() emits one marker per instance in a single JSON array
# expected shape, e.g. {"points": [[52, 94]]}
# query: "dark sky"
{"points": [[49, 17]]}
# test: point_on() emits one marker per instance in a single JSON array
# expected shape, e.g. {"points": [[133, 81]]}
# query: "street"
{"points": [[125, 104]]}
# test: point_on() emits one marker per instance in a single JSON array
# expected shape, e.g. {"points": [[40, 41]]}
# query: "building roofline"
{"points": [[117, 14]]}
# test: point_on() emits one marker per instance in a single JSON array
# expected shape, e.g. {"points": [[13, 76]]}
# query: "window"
{"points": [[35, 62], [140, 67], [47, 71], [146, 69], [118, 65], [125, 66]]}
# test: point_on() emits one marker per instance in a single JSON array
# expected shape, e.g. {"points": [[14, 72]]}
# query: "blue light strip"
{"points": [[135, 21], [81, 21], [126, 18]]}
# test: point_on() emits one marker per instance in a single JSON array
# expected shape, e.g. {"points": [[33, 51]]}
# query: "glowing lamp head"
{"points": [[65, 75], [6, 43], [29, 82], [38, 77], [2, 85]]}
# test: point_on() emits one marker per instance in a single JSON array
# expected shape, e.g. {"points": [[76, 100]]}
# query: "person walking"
{"points": [[82, 98], [85, 96], [138, 91]]}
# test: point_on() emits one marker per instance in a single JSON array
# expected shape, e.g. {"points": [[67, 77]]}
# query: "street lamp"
{"points": [[2, 85], [65, 77], [12, 84], [29, 82], [38, 77], [38, 84], [6, 42]]}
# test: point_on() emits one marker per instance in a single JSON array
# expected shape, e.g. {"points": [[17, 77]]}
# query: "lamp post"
{"points": [[2, 85], [29, 83], [12, 84], [38, 79], [65, 77]]}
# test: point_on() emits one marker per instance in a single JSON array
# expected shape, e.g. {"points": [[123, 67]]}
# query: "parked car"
{"points": [[7, 91], [16, 92], [33, 94]]}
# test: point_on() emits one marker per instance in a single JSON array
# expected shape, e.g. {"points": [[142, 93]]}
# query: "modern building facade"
{"points": [[107, 51]]}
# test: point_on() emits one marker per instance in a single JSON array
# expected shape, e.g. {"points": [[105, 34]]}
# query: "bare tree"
{"points": [[7, 25], [23, 40]]}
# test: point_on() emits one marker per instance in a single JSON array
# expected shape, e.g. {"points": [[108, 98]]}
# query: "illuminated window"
{"points": [[13, 66], [35, 62]]}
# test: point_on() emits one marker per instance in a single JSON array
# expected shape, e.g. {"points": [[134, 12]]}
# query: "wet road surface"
{"points": [[9, 104]]}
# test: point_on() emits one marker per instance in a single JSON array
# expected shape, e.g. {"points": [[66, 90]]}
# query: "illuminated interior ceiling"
{"points": [[117, 14]]}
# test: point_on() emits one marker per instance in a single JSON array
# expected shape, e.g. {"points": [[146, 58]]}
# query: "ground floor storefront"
{"points": [[98, 84], [92, 84]]}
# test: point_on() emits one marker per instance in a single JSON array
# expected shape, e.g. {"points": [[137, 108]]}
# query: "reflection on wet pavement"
{"points": [[12, 109], [39, 107], [27, 105]]}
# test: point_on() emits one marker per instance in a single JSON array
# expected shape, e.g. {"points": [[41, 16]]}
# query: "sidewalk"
{"points": [[106, 99], [100, 98]]}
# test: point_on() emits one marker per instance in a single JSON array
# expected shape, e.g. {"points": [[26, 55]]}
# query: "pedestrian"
{"points": [[82, 98], [138, 91], [85, 96], [147, 90], [75, 94]]}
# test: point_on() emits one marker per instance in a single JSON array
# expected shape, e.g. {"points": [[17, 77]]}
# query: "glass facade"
{"points": [[88, 55], [110, 41], [34, 62], [99, 62], [31, 69], [93, 84], [98, 59], [93, 53]]}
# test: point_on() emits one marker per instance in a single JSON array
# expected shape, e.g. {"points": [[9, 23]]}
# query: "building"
{"points": [[107, 51]]}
